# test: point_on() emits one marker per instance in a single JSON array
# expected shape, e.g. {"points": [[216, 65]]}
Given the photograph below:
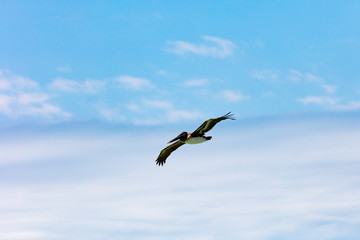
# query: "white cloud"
{"points": [[111, 114], [303, 184], [5, 103], [297, 76], [4, 84], [214, 47], [148, 121], [349, 106], [22, 97], [331, 103], [134, 83], [329, 88], [29, 104], [170, 115], [265, 75], [196, 82], [158, 104], [167, 112], [92, 86], [89, 86], [133, 107], [44, 109], [13, 82], [31, 98], [64, 85], [232, 96], [174, 115], [318, 100]]}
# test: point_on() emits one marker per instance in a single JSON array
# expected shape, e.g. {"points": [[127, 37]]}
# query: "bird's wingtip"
{"points": [[230, 115], [159, 162]]}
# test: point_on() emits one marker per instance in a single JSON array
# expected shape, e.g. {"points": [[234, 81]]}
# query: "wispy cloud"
{"points": [[297, 76], [29, 104], [265, 75], [92, 86], [45, 109], [23, 97], [64, 69], [89, 86], [30, 98], [5, 104], [329, 88], [64, 85], [134, 83], [196, 82], [167, 112], [4, 84], [214, 47], [12, 82], [349, 106], [158, 104], [318, 100], [111, 114], [133, 107], [161, 111], [232, 96], [331, 103], [162, 73], [303, 184], [175, 115]]}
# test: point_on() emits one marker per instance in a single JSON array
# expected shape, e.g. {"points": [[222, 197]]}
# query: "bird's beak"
{"points": [[178, 137]]}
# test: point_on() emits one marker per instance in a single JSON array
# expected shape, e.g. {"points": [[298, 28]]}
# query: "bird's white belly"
{"points": [[195, 140]]}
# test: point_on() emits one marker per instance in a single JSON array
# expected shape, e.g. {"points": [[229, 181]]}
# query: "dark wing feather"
{"points": [[210, 123], [167, 151]]}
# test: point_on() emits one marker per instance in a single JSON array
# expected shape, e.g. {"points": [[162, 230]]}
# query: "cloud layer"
{"points": [[276, 180], [214, 47]]}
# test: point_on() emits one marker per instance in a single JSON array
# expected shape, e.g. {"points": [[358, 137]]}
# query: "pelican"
{"points": [[191, 138]]}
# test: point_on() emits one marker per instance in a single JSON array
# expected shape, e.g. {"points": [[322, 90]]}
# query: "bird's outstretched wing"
{"points": [[167, 151], [210, 123]]}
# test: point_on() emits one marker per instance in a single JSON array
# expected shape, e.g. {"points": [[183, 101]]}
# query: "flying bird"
{"points": [[198, 136]]}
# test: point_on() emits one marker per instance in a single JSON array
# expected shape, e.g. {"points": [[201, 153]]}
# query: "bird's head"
{"points": [[182, 137]]}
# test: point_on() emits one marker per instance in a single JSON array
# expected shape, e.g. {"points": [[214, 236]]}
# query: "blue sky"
{"points": [[86, 88], [150, 62]]}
